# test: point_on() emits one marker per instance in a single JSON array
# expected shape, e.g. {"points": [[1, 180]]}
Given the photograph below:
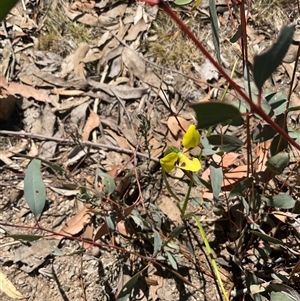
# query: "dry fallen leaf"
{"points": [[92, 122], [176, 125], [23, 90], [8, 288], [77, 223]]}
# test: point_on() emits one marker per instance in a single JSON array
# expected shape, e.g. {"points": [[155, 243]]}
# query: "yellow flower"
{"points": [[177, 158], [191, 138]]}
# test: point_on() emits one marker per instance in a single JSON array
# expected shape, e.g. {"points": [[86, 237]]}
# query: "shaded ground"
{"points": [[115, 74]]}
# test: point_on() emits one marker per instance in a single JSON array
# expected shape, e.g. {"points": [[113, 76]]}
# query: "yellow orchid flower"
{"points": [[173, 157], [191, 138]]}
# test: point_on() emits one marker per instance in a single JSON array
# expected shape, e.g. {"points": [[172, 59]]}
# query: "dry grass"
{"points": [[60, 34], [171, 48]]}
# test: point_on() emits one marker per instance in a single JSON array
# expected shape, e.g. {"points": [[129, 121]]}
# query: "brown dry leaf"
{"points": [[79, 56], [121, 141], [234, 175], [33, 80], [124, 230], [87, 19], [88, 234], [8, 288], [138, 67], [80, 102], [67, 92], [135, 30], [84, 6], [262, 152], [92, 122], [228, 159], [23, 90], [282, 216], [113, 171], [175, 128], [122, 91], [157, 148], [78, 222]]}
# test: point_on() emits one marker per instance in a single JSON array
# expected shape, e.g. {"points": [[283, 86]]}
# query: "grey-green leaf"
{"points": [[278, 162], [172, 261], [212, 113], [107, 181], [266, 63], [215, 27], [226, 143], [216, 176], [129, 285], [267, 238], [157, 243], [34, 188], [281, 201], [240, 187]]}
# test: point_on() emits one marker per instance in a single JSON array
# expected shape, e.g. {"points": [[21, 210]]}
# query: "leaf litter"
{"points": [[80, 72]]}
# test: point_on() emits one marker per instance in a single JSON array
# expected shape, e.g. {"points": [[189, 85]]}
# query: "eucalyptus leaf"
{"points": [[216, 176], [34, 188], [25, 237], [182, 2], [266, 63], [215, 27], [177, 231], [286, 293], [267, 238], [237, 35], [5, 7], [240, 187], [172, 261], [278, 162], [128, 287], [212, 113], [157, 243], [278, 102], [107, 181], [282, 201], [226, 143]]}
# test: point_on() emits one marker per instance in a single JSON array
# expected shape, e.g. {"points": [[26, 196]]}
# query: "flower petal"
{"points": [[191, 138], [168, 162], [187, 164]]}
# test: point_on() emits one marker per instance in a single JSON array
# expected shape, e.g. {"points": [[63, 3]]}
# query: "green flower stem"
{"points": [[212, 260], [187, 197]]}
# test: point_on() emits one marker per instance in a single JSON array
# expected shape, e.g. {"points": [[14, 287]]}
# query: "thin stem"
{"points": [[187, 197], [72, 142]]}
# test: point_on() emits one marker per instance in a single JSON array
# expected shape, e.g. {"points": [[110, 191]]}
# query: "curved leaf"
{"points": [[215, 27], [129, 285], [225, 142], [281, 201], [266, 63], [278, 162], [212, 113]]}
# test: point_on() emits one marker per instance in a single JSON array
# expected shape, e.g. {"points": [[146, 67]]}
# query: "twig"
{"points": [[72, 142], [13, 61]]}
